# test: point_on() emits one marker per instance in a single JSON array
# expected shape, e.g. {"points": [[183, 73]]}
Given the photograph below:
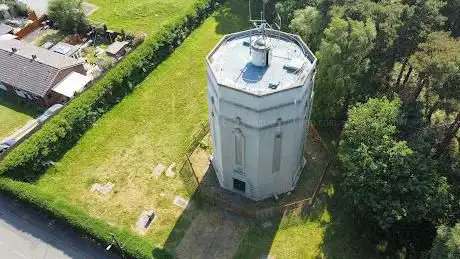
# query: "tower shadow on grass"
{"points": [[207, 231]]}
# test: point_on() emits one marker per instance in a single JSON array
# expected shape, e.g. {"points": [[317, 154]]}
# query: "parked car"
{"points": [[49, 113], [5, 145]]}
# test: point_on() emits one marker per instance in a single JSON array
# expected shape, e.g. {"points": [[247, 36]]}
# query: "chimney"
{"points": [[14, 50], [34, 57]]}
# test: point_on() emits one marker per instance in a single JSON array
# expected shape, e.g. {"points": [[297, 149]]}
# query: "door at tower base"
{"points": [[258, 127]]}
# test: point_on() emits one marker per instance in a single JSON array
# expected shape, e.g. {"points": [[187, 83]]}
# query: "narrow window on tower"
{"points": [[277, 152], [239, 148]]}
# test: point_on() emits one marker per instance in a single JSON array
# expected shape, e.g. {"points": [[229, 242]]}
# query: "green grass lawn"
{"points": [[14, 113], [137, 16]]}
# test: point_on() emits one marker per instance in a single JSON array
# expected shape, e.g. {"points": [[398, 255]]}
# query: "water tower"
{"points": [[260, 95]]}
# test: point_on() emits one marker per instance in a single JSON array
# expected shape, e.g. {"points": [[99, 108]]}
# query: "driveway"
{"points": [[39, 6], [25, 234]]}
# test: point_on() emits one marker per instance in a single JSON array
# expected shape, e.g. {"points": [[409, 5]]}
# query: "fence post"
{"points": [[193, 172]]}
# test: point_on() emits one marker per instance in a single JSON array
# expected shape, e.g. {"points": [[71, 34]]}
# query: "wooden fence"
{"points": [[30, 27]]}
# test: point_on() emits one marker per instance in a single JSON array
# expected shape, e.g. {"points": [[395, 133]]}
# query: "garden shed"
{"points": [[117, 49]]}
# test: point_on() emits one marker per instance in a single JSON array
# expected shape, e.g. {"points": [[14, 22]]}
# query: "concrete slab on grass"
{"points": [[267, 224], [145, 220], [103, 189], [171, 171], [158, 170], [181, 202]]}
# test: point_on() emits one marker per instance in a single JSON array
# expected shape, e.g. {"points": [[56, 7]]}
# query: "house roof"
{"points": [[115, 47], [36, 75]]}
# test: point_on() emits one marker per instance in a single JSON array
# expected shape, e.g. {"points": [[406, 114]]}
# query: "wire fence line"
{"points": [[186, 171], [193, 186]]}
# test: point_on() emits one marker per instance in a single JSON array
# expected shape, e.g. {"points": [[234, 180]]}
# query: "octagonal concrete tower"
{"points": [[260, 94]]}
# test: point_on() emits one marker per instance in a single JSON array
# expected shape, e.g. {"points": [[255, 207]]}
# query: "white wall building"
{"points": [[260, 93]]}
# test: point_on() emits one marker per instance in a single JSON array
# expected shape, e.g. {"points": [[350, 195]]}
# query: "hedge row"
{"points": [[31, 158]]}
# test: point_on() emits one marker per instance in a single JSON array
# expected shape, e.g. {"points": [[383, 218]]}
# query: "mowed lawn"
{"points": [[139, 15], [13, 115]]}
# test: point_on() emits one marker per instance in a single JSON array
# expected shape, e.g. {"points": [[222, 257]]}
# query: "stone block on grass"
{"points": [[145, 220], [171, 171], [158, 170]]}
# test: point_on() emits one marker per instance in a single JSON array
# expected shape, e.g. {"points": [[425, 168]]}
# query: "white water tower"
{"points": [[260, 94]]}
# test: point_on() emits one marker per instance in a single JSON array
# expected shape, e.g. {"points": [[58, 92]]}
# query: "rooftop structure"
{"points": [[65, 49], [260, 95], [117, 48], [290, 61]]}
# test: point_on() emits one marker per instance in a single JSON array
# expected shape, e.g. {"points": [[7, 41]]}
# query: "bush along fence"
{"points": [[31, 158]]}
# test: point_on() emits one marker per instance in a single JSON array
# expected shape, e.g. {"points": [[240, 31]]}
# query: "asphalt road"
{"points": [[26, 234]]}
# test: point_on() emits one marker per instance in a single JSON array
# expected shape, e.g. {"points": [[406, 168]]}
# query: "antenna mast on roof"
{"points": [[262, 22], [258, 23]]}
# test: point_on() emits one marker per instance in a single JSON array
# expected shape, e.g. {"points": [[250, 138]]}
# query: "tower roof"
{"points": [[291, 61]]}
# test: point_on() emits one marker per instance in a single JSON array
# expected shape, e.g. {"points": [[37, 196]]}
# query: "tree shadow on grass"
{"points": [[207, 231]]}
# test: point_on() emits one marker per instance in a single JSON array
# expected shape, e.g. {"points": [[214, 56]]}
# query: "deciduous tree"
{"points": [[309, 23], [68, 15], [384, 180], [343, 59]]}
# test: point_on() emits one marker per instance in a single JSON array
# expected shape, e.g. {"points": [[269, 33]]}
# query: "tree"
{"points": [[447, 243], [343, 59], [385, 181], [420, 19], [436, 69], [309, 23], [435, 61], [286, 8], [387, 16], [452, 12], [68, 15]]}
